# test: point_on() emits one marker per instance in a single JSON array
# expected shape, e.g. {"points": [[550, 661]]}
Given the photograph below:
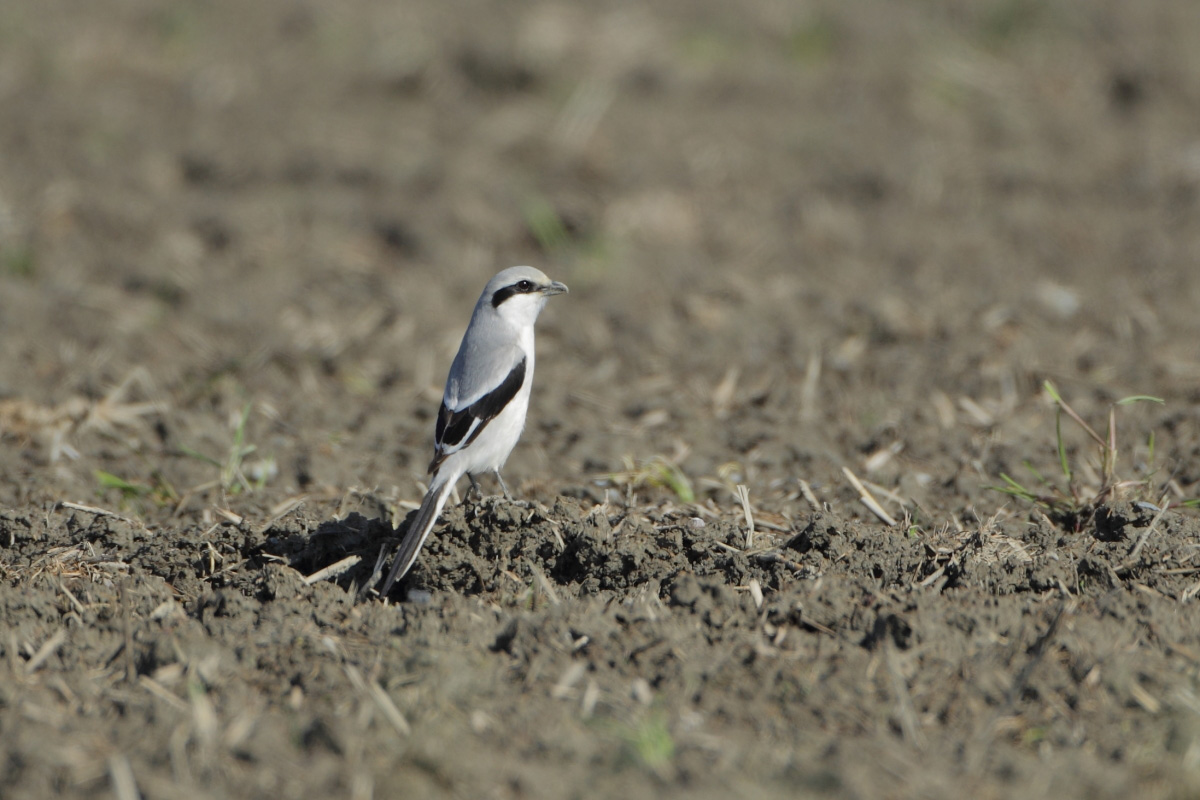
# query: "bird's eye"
{"points": [[525, 286]]}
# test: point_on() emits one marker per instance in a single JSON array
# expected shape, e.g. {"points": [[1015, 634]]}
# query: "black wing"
{"points": [[457, 429]]}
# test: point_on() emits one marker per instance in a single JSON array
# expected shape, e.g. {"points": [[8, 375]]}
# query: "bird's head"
{"points": [[518, 294]]}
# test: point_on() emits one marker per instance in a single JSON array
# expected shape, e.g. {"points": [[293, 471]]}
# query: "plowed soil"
{"points": [[816, 251]]}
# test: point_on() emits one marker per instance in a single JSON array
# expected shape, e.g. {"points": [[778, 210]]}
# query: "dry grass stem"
{"points": [[163, 693], [1131, 559], [763, 522], [1143, 698], [390, 712], [546, 586], [867, 500], [809, 412], [102, 512], [565, 685], [743, 494], [807, 492], [73, 561], [281, 510], [44, 652], [1190, 592], [382, 700], [774, 557], [722, 396], [881, 457], [978, 414], [227, 515], [885, 492], [26, 420], [756, 592], [78, 606], [943, 408], [591, 696], [204, 716], [120, 772], [333, 570]]}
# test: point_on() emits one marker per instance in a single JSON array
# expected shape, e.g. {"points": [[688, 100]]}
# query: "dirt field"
{"points": [[808, 244]]}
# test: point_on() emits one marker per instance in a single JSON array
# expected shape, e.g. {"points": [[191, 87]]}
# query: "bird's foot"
{"points": [[473, 489], [495, 501], [504, 487]]}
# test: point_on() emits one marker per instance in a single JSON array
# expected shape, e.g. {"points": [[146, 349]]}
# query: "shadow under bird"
{"points": [[486, 397]]}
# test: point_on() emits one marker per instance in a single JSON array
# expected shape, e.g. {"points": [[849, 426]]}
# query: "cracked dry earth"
{"points": [[808, 245]]}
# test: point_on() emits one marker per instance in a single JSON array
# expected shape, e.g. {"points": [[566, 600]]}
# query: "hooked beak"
{"points": [[554, 288]]}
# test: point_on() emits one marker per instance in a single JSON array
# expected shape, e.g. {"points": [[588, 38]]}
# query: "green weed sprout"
{"points": [[234, 477], [659, 472], [1071, 504]]}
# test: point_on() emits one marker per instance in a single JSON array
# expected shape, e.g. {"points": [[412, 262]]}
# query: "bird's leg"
{"points": [[507, 495], [474, 487]]}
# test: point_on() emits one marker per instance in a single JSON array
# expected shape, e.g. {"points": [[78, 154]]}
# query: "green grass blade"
{"points": [[672, 477], [1140, 398], [1034, 471], [1008, 479], [1062, 448], [1053, 392], [239, 434], [1015, 489], [110, 481], [196, 454]]}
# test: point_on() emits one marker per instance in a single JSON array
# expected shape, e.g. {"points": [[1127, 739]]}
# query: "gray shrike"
{"points": [[486, 397]]}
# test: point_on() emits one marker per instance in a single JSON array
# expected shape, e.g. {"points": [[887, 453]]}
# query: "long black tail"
{"points": [[418, 530]]}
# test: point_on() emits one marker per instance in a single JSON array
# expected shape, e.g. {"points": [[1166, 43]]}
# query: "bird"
{"points": [[485, 400]]}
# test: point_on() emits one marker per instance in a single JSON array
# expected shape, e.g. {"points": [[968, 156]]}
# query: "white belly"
{"points": [[490, 449]]}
